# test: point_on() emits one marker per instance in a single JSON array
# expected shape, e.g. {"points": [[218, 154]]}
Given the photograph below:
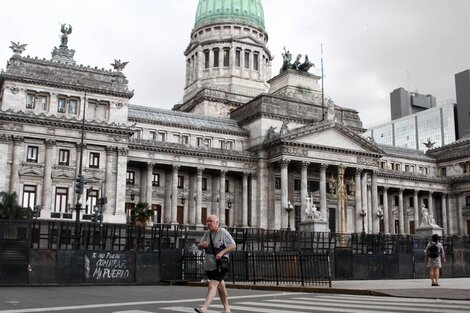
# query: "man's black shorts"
{"points": [[215, 275]]}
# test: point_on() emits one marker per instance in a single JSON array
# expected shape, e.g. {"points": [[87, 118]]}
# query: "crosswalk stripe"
{"points": [[132, 311], [184, 309], [389, 300], [395, 307]]}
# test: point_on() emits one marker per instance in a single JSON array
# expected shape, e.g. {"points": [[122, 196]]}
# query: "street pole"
{"points": [[78, 205], [288, 209]]}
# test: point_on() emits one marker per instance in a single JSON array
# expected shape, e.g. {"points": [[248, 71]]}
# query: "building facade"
{"points": [[427, 129], [242, 145], [462, 90], [404, 103]]}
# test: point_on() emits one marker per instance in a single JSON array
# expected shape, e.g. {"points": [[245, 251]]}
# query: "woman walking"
{"points": [[435, 256]]}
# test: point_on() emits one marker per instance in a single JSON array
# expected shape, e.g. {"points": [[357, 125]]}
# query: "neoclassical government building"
{"points": [[244, 144]]}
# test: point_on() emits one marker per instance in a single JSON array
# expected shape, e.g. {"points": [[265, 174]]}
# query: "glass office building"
{"points": [[435, 125]]}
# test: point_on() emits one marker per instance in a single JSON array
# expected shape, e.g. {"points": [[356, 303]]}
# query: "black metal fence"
{"points": [[267, 268]]}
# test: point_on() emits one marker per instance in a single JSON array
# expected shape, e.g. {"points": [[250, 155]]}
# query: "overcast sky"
{"points": [[370, 47]]}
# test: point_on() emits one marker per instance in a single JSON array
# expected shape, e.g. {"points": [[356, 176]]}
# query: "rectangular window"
{"points": [[297, 184], [91, 201], [407, 168], [226, 57], [161, 136], [411, 202], [206, 59], [153, 135], [32, 154], [130, 178], [185, 139], [204, 142], [61, 105], [204, 183], [136, 135], [395, 200], [29, 196], [238, 58], [156, 180], [61, 195], [64, 156], [247, 60], [227, 185], [94, 160], [443, 171], [313, 185], [30, 101], [277, 182], [383, 164], [256, 62], [73, 106], [467, 201], [216, 57], [180, 181], [226, 145], [43, 103]]}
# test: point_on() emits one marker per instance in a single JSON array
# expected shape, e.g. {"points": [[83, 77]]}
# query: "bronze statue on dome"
{"points": [[65, 29]]}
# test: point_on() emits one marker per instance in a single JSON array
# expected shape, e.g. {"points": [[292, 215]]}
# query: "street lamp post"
{"points": [[363, 215], [341, 193], [288, 210], [79, 181]]}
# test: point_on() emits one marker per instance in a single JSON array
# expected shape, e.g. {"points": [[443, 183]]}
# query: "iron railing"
{"points": [[258, 267]]}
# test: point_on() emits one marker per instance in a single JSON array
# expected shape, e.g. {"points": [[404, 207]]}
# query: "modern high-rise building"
{"points": [[424, 130], [462, 90], [246, 146], [404, 103]]}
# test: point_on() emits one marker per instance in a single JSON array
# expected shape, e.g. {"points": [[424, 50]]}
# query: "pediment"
{"points": [[331, 138], [329, 135], [30, 171]]}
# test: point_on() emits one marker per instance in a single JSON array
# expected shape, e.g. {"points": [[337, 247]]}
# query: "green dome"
{"points": [[249, 12]]}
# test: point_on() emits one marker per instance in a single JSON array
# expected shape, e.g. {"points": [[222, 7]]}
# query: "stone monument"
{"points": [[314, 221], [428, 226]]}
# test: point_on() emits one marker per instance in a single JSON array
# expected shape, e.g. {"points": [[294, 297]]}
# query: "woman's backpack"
{"points": [[433, 251]]}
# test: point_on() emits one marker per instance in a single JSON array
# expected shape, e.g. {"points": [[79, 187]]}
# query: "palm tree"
{"points": [[141, 214], [10, 209]]}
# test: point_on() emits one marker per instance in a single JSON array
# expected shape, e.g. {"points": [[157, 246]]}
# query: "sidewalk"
{"points": [[450, 288]]}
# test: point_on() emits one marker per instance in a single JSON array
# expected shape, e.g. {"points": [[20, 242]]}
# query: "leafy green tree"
{"points": [[141, 214], [10, 209]]}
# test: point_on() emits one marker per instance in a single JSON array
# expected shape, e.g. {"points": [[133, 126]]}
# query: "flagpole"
{"points": [[322, 88]]}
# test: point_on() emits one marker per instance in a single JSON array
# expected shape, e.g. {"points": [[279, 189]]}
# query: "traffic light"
{"points": [[79, 184]]}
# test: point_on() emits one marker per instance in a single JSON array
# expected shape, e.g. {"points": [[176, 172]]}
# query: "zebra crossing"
{"points": [[333, 303]]}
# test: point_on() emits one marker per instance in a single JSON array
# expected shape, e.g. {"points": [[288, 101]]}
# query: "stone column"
{"points": [[400, 212], [192, 199], [323, 202], [254, 208], [284, 194], [47, 189], [149, 187], [245, 200], [119, 212], [431, 206], [200, 170], [303, 188], [174, 195], [444, 213], [369, 216], [16, 159], [452, 211], [262, 194], [374, 204], [110, 151], [386, 212], [200, 62], [460, 219], [223, 175], [358, 204], [416, 208], [364, 198]]}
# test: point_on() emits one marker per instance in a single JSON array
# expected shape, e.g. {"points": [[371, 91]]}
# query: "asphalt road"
{"points": [[168, 299]]}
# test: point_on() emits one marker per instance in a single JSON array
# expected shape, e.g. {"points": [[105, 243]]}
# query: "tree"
{"points": [[141, 214], [10, 209]]}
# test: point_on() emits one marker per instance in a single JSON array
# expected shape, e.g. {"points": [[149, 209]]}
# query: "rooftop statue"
{"points": [[17, 47], [297, 65], [429, 144], [118, 65], [65, 29]]}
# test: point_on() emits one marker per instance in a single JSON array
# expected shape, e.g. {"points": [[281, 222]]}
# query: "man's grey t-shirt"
{"points": [[222, 239]]}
